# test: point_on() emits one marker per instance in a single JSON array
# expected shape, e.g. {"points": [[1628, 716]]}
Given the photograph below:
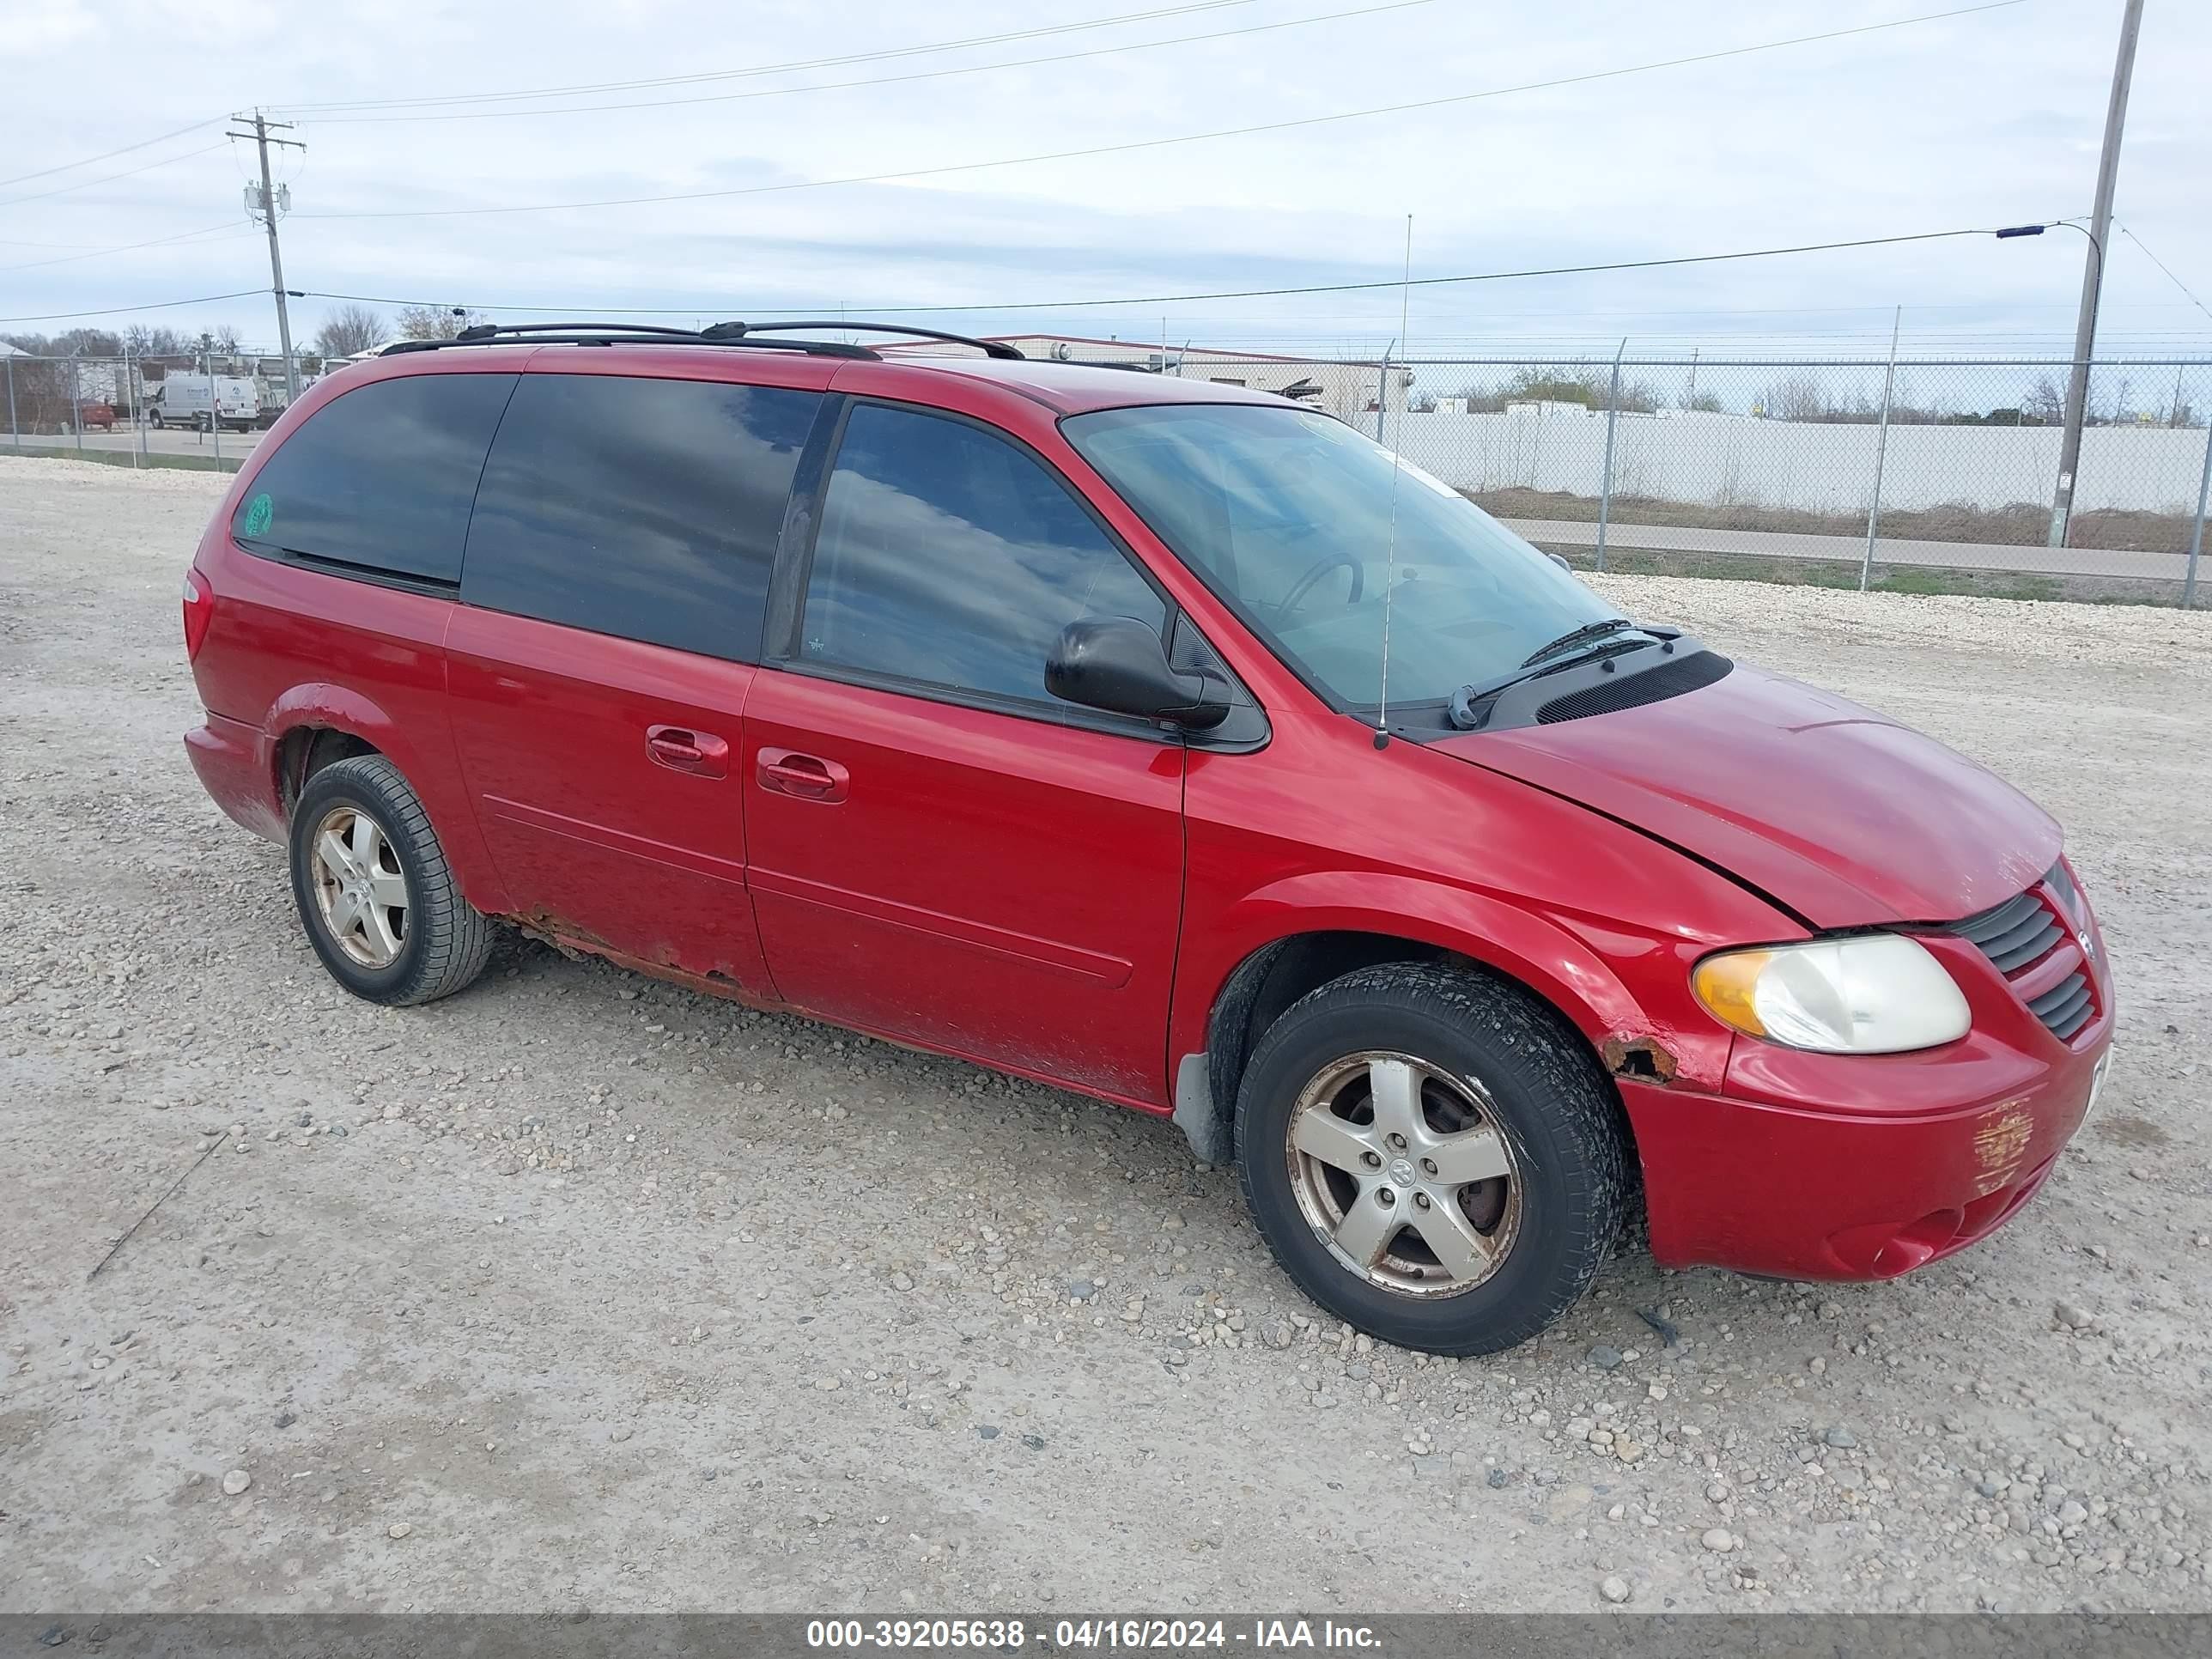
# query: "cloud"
{"points": [[1981, 119]]}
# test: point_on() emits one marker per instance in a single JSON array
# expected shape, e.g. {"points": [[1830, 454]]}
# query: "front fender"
{"points": [[1623, 988]]}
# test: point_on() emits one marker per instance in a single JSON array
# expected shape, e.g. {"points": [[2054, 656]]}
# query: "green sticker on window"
{"points": [[259, 512]]}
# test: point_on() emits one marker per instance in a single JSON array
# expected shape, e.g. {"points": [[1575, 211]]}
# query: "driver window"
{"points": [[950, 557]]}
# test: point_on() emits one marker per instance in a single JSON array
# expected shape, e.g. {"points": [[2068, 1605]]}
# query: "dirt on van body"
{"points": [[580, 1290]]}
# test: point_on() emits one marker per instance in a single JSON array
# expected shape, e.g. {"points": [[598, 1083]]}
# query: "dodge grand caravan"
{"points": [[1035, 713]]}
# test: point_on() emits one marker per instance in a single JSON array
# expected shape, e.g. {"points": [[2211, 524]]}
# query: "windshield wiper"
{"points": [[1573, 636], [1465, 715]]}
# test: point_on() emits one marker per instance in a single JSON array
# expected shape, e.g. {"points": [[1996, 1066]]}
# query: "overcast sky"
{"points": [[1980, 119]]}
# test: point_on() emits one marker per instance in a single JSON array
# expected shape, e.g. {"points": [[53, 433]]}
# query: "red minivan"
{"points": [[1159, 740]]}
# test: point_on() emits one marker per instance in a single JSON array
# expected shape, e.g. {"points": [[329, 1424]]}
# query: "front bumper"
{"points": [[1838, 1191]]}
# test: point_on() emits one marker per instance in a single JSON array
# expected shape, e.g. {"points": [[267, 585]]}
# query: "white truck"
{"points": [[203, 400]]}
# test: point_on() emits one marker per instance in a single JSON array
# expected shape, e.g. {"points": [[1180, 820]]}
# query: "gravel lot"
{"points": [[581, 1290]]}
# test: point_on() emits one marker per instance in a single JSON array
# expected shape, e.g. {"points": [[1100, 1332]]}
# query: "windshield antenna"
{"points": [[1397, 463]]}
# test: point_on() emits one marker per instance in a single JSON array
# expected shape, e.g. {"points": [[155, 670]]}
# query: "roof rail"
{"points": [[721, 334], [730, 331]]}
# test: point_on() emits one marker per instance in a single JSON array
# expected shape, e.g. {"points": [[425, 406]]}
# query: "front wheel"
{"points": [[1433, 1156]]}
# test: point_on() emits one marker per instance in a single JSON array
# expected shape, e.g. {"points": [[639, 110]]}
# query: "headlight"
{"points": [[1874, 994]]}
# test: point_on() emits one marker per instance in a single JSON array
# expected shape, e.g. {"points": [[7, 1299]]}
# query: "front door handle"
{"points": [[682, 749], [803, 777]]}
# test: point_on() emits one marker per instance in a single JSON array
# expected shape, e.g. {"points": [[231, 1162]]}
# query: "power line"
{"points": [[1231, 293], [125, 311], [2160, 264], [877, 79], [43, 173], [1184, 138], [127, 247], [994, 40], [109, 178]]}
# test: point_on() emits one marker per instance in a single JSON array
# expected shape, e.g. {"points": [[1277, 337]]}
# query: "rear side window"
{"points": [[950, 556], [381, 478], [645, 509]]}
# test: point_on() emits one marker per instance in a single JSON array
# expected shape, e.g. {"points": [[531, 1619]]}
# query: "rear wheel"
{"points": [[374, 891], [1432, 1155]]}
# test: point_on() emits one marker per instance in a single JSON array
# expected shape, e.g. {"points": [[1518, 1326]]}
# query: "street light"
{"points": [[2077, 381]]}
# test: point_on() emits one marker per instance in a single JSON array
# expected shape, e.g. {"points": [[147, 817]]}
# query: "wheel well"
{"points": [[306, 750], [1272, 978], [1269, 981]]}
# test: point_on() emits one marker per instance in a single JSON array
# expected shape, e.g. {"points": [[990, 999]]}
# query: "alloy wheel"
{"points": [[359, 889], [1404, 1172]]}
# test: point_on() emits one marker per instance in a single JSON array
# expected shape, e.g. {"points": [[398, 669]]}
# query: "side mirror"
{"points": [[1560, 560], [1119, 664]]}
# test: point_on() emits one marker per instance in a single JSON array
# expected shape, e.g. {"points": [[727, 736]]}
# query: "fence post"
{"points": [[76, 408], [1881, 454], [138, 410], [1382, 392], [14, 432], [2197, 530], [1605, 484]]}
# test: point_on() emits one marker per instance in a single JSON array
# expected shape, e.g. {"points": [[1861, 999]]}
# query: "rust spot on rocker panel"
{"points": [[1643, 1058], [576, 944]]}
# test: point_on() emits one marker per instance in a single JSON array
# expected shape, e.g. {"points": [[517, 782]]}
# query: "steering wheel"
{"points": [[1321, 567]]}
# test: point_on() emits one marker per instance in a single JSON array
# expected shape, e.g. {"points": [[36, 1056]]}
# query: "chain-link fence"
{"points": [[156, 411], [1913, 474], [1917, 475]]}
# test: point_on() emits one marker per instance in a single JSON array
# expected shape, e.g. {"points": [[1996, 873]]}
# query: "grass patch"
{"points": [[1887, 579], [2022, 523]]}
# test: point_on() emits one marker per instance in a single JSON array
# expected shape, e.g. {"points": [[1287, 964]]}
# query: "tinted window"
{"points": [[381, 477], [949, 556], [647, 508]]}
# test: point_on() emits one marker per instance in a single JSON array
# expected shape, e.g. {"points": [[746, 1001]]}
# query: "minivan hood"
{"points": [[1842, 815]]}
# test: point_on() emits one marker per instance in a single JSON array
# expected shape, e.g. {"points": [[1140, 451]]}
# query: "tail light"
{"points": [[199, 612]]}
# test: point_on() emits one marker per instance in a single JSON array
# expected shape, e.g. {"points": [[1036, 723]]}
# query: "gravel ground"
{"points": [[578, 1290]]}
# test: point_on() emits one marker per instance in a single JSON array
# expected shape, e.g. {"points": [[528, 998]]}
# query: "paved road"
{"points": [[1782, 545], [124, 439]]}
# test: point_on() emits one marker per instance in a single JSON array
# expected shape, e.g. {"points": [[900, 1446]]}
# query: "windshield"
{"points": [[1287, 514]]}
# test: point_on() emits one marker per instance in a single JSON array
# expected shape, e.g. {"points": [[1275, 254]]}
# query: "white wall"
{"points": [[1728, 459]]}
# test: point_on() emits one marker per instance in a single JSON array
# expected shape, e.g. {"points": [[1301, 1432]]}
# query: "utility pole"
{"points": [[2092, 275], [267, 206]]}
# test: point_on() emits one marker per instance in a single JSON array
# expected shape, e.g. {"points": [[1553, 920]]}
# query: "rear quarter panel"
{"points": [[289, 647]]}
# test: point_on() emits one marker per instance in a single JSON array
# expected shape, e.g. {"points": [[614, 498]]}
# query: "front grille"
{"points": [[2021, 932], [1668, 679], [2014, 933], [2066, 1007]]}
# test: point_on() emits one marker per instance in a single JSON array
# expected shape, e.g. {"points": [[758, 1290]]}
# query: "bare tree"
{"points": [[226, 339], [434, 322], [2045, 404], [90, 342], [145, 341], [1794, 397], [349, 330]]}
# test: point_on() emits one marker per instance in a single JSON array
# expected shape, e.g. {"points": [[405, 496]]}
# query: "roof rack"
{"points": [[988, 347], [716, 334], [604, 334]]}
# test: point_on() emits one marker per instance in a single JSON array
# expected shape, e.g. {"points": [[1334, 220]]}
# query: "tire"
{"points": [[1493, 1077], [442, 940]]}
